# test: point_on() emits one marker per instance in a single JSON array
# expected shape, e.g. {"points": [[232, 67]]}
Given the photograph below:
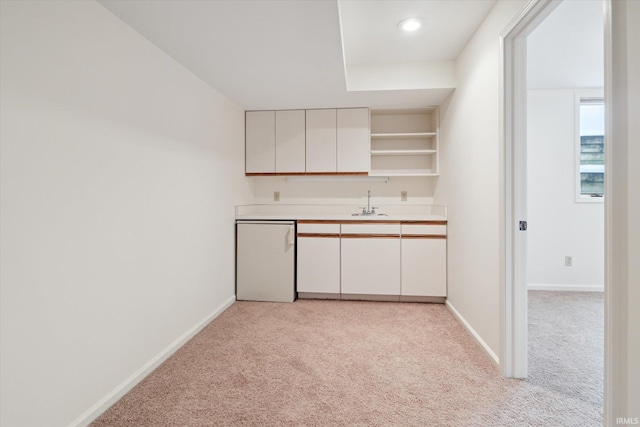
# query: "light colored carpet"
{"points": [[566, 344], [338, 363]]}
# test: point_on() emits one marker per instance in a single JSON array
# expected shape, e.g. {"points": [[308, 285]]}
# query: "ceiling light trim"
{"points": [[410, 25]]}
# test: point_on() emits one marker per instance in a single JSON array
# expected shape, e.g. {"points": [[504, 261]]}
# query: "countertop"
{"points": [[339, 213]]}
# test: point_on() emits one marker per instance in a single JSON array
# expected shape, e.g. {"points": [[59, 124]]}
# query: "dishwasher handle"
{"points": [[292, 235]]}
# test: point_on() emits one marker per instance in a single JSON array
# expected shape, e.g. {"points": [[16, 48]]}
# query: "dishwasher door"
{"points": [[265, 254]]}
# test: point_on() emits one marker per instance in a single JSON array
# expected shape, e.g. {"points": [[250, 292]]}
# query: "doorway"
{"points": [[565, 209], [514, 319]]}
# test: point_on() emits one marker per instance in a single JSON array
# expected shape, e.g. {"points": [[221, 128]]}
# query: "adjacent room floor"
{"points": [[340, 363], [566, 344]]}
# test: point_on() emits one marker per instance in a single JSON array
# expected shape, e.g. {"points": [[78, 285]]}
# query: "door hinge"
{"points": [[523, 225]]}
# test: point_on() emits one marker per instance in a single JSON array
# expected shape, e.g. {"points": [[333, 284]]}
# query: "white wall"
{"points": [[566, 50], [343, 191], [623, 210], [469, 184], [558, 225], [119, 173], [401, 76]]}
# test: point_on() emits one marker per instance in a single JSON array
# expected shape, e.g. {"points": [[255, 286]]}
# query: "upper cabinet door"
{"points": [[290, 141], [260, 142], [321, 141], [353, 144]]}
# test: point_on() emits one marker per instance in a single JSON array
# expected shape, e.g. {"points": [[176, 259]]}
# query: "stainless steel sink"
{"points": [[368, 214]]}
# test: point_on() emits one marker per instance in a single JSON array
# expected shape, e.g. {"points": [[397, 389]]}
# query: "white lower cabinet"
{"points": [[370, 259], [424, 260], [318, 268], [374, 258], [424, 267]]}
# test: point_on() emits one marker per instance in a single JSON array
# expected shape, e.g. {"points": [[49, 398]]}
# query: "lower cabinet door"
{"points": [[370, 266], [319, 264], [424, 267]]}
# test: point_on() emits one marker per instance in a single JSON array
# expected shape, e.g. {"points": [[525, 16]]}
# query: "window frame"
{"points": [[585, 97]]}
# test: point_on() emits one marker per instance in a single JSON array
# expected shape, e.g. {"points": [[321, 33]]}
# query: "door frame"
{"points": [[513, 194], [513, 180]]}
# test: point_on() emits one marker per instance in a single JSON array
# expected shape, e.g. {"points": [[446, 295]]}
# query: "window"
{"points": [[590, 150]]}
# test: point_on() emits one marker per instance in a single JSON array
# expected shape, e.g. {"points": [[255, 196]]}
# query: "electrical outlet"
{"points": [[276, 196], [568, 261], [403, 196]]}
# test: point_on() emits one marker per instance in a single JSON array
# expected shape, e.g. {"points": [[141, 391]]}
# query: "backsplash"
{"points": [[343, 191]]}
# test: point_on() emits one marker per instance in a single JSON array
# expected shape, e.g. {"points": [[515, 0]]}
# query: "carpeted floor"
{"points": [[566, 344], [339, 363]]}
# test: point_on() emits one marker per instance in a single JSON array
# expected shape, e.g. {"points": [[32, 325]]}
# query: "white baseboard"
{"points": [[576, 288], [475, 335], [112, 397]]}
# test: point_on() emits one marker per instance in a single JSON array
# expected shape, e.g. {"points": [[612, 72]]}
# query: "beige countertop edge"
{"points": [[340, 217]]}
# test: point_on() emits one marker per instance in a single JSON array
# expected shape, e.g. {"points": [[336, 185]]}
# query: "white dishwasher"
{"points": [[265, 261]]}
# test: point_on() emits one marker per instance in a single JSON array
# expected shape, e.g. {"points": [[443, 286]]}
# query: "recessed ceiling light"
{"points": [[411, 24]]}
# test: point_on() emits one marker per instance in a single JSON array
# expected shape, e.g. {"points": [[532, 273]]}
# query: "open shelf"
{"points": [[402, 152], [404, 142], [403, 135], [403, 173]]}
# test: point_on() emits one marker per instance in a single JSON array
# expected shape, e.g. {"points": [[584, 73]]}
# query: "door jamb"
{"points": [[513, 175]]}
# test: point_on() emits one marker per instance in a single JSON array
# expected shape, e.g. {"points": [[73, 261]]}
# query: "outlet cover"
{"points": [[568, 261], [276, 196], [403, 196]]}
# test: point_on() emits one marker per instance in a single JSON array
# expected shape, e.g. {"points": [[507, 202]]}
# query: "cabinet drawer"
{"points": [[423, 230], [371, 229], [319, 228]]}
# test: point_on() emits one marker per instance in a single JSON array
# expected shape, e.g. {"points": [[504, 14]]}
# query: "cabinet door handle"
{"points": [[291, 235]]}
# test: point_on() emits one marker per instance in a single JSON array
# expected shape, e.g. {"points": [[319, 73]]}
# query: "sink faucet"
{"points": [[369, 210]]}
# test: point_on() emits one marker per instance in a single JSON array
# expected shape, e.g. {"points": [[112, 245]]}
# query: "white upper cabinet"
{"points": [[298, 142], [321, 141], [353, 143], [290, 141], [260, 142]]}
